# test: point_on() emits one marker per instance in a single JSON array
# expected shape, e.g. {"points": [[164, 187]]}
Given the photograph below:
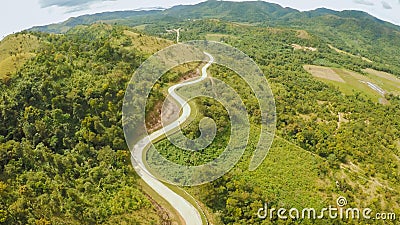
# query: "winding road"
{"points": [[188, 212]]}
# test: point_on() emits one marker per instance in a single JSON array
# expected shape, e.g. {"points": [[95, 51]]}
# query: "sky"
{"points": [[17, 15]]}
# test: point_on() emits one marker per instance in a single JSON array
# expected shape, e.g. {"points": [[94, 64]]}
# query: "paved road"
{"points": [[189, 213]]}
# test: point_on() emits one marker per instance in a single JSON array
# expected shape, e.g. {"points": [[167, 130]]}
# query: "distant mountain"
{"points": [[106, 17], [250, 12], [353, 31], [253, 12]]}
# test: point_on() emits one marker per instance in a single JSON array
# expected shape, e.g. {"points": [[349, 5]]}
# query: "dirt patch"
{"points": [[324, 73], [341, 119], [164, 214], [304, 48], [349, 54], [169, 112], [165, 113]]}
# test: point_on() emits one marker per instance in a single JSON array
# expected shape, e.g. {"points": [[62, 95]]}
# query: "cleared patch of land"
{"points": [[140, 27], [349, 54], [324, 73], [304, 48], [387, 81], [384, 75], [15, 50], [10, 65], [374, 85], [166, 212], [17, 44], [146, 43], [303, 34], [356, 82]]}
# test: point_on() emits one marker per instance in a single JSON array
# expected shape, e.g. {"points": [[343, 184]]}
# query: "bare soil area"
{"points": [[324, 73]]}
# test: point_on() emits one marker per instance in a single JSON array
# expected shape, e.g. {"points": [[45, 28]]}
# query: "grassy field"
{"points": [[387, 81], [15, 50], [324, 73], [350, 82], [140, 27], [145, 43], [303, 34]]}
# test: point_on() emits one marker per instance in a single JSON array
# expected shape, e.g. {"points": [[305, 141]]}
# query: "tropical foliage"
{"points": [[63, 158]]}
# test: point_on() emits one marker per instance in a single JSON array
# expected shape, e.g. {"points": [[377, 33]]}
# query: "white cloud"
{"points": [[386, 5], [364, 2], [68, 3]]}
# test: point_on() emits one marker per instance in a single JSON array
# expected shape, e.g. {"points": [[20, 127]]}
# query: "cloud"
{"points": [[386, 5], [73, 4], [364, 2]]}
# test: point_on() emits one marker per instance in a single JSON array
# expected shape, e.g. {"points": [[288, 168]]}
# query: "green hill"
{"points": [[15, 50], [63, 158]]}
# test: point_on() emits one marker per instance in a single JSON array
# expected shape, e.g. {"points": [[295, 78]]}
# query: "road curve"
{"points": [[188, 212]]}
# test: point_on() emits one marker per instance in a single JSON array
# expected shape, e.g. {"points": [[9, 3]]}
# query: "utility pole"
{"points": [[177, 31]]}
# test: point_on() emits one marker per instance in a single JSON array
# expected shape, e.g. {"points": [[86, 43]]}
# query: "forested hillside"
{"points": [[63, 158], [352, 138]]}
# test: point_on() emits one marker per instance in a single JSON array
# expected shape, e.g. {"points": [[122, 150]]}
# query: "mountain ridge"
{"points": [[253, 11], [355, 32]]}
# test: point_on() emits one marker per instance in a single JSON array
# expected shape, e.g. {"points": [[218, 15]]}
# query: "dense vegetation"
{"points": [[361, 154], [64, 160], [62, 150]]}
